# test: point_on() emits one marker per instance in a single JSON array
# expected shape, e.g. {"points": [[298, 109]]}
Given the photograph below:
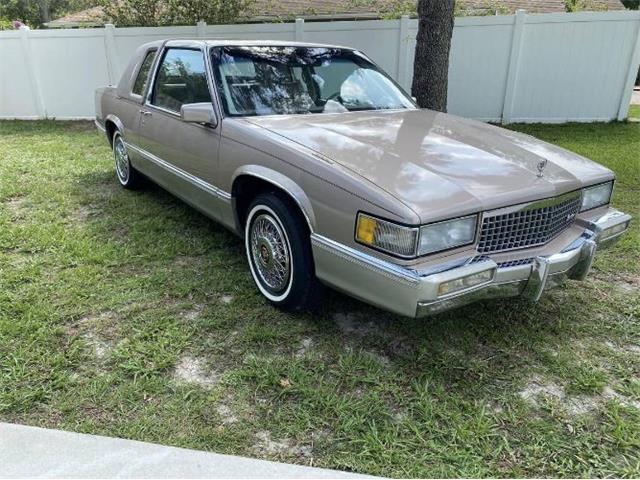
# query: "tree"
{"points": [[37, 12], [150, 13], [431, 63]]}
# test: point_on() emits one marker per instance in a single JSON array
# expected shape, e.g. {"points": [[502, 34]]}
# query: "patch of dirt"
{"points": [[265, 445], [609, 393], [383, 360], [628, 348], [101, 349], [226, 299], [627, 284], [187, 261], [193, 370], [305, 345], [105, 324], [226, 414], [624, 283], [85, 212], [353, 324], [99, 332], [633, 348], [581, 405], [193, 313], [495, 407], [16, 205], [538, 389]]}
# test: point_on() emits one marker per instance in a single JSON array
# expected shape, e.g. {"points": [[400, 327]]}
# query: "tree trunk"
{"points": [[431, 64], [44, 10]]}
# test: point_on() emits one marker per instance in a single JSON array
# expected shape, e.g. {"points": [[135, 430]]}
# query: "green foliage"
{"points": [[582, 5], [148, 13], [5, 24], [396, 8], [37, 12], [488, 8]]}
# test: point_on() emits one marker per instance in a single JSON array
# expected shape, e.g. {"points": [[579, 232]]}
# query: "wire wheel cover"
{"points": [[270, 253], [122, 160]]}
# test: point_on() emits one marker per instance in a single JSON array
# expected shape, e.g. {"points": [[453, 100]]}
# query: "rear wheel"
{"points": [[127, 175], [279, 253]]}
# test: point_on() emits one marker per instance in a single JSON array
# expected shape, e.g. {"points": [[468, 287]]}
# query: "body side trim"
{"points": [[196, 181], [389, 270]]}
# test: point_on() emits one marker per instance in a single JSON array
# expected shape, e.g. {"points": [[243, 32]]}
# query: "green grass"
{"points": [[634, 112], [129, 314]]}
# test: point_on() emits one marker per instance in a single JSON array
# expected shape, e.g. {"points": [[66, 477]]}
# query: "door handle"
{"points": [[145, 112]]}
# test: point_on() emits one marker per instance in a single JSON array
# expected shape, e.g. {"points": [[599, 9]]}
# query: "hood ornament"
{"points": [[541, 166]]}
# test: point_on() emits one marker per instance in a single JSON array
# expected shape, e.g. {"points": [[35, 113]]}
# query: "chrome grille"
{"points": [[528, 226], [515, 263]]}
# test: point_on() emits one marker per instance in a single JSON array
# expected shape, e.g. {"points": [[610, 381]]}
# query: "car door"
{"points": [[183, 156]]}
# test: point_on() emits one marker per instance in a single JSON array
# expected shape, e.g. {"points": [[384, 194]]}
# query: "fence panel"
{"points": [[531, 68]]}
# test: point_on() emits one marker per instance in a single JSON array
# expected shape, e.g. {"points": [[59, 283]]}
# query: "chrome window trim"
{"points": [[156, 68], [134, 77], [196, 181]]}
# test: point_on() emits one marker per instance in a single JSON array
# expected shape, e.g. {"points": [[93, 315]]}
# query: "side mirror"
{"points": [[198, 113]]}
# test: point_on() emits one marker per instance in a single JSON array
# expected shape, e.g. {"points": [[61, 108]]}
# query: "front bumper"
{"points": [[416, 293]]}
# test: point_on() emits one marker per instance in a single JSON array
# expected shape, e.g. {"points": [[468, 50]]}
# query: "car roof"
{"points": [[245, 43]]}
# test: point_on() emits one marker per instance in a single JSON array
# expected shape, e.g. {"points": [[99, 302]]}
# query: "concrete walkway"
{"points": [[38, 452]]}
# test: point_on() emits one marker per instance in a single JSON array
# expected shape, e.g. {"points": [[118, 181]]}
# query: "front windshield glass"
{"points": [[284, 80]]}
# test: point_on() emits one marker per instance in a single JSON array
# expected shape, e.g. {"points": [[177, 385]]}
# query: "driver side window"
{"points": [[181, 79]]}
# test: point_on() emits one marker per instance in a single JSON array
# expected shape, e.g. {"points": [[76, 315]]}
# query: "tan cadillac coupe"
{"points": [[333, 176]]}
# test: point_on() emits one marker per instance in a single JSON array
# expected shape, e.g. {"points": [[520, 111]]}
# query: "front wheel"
{"points": [[279, 253]]}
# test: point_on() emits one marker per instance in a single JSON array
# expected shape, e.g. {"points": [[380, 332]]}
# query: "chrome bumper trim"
{"points": [[414, 293]]}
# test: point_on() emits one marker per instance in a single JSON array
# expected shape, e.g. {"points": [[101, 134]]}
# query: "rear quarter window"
{"points": [[143, 74]]}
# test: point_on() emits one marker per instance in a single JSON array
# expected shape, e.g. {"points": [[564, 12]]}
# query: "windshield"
{"points": [[274, 80]]}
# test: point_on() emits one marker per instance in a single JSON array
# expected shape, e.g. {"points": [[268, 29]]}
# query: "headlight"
{"points": [[386, 236], [447, 234], [596, 196]]}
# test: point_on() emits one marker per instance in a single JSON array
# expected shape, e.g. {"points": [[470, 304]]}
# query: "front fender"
{"points": [[282, 182]]}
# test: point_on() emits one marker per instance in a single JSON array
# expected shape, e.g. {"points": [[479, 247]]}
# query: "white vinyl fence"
{"points": [[518, 68]]}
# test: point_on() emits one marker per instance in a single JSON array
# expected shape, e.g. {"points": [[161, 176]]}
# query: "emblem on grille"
{"points": [[541, 166]]}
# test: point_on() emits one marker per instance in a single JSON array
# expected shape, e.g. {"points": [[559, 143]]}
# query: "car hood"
{"points": [[439, 165]]}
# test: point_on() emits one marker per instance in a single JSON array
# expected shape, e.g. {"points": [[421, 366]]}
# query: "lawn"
{"points": [[129, 314]]}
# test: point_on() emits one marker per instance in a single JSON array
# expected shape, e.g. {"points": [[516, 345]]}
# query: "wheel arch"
{"points": [[255, 176], [111, 124]]}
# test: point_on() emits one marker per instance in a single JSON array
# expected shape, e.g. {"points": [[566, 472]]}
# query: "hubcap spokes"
{"points": [[270, 253], [122, 160]]}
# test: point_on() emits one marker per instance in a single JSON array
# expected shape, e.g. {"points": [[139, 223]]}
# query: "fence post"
{"points": [[634, 64], [201, 28], [31, 69], [403, 51], [299, 30], [111, 53], [514, 63]]}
